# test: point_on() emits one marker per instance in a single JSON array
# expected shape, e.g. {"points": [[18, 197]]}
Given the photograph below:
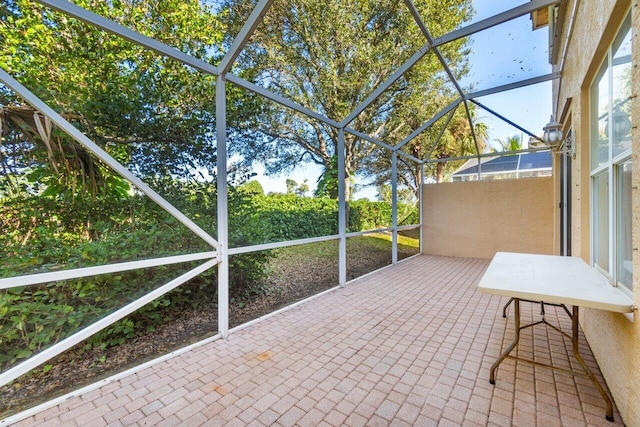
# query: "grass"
{"points": [[403, 240], [315, 263], [329, 250]]}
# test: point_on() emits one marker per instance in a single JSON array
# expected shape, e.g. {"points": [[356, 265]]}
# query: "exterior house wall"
{"points": [[478, 219], [614, 338]]}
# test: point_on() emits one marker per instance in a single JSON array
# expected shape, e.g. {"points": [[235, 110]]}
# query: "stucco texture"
{"points": [[614, 338], [478, 219]]}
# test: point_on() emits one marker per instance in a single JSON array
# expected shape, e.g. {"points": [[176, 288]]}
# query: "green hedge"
{"points": [[43, 234], [283, 217]]}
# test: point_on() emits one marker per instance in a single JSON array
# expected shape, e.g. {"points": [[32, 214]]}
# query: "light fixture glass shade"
{"points": [[621, 124], [552, 133]]}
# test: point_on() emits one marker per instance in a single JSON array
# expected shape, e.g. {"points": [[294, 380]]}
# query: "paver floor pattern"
{"points": [[408, 345]]}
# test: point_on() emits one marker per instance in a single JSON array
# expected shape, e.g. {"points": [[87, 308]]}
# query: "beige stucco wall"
{"points": [[478, 219], [614, 339]]}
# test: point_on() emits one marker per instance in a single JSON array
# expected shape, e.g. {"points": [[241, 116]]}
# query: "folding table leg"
{"points": [[514, 343], [576, 353], [504, 309]]}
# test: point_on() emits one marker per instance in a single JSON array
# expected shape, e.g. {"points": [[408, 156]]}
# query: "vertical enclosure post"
{"points": [[342, 210], [394, 207], [420, 199], [223, 217]]}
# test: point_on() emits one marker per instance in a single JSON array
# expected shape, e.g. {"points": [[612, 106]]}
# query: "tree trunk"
{"points": [[439, 172], [419, 178], [347, 188]]}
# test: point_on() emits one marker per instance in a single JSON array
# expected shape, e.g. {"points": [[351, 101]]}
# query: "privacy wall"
{"points": [[478, 219]]}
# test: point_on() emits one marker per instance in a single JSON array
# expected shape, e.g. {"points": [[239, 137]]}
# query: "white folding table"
{"points": [[553, 280]]}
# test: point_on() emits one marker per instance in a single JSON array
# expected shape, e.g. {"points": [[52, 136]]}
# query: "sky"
{"points": [[500, 55]]}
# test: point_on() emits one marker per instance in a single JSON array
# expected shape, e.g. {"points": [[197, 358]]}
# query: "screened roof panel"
{"points": [[443, 17], [237, 15], [477, 10], [332, 69], [423, 144], [505, 54], [537, 160], [195, 28], [279, 146], [408, 103], [301, 53], [484, 9], [528, 106], [509, 163]]}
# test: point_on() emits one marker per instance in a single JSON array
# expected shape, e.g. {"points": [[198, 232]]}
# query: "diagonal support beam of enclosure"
{"points": [[498, 19], [245, 34], [112, 27], [80, 137], [101, 324]]}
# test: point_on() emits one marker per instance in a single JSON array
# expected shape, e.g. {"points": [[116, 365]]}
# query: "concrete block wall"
{"points": [[478, 219]]}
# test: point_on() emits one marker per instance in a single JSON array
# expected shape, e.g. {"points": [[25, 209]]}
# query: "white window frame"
{"points": [[610, 167]]}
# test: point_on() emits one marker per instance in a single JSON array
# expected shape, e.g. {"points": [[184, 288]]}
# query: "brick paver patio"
{"points": [[408, 345]]}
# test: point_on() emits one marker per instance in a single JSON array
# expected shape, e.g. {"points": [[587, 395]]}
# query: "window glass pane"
{"points": [[625, 271], [601, 221], [599, 118], [621, 96]]}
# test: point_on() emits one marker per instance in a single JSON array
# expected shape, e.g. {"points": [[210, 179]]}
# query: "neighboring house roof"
{"points": [[539, 160]]}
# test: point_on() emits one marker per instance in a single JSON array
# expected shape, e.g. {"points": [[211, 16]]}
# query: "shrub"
{"points": [[284, 217], [43, 234]]}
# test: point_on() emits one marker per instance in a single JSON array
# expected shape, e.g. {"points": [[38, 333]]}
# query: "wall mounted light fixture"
{"points": [[552, 135]]}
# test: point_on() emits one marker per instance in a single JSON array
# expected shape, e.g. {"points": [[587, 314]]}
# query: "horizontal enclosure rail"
{"points": [[55, 276], [67, 343], [362, 233], [500, 154], [277, 245], [408, 227]]}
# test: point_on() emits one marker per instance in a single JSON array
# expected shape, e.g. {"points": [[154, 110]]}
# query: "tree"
{"points": [[407, 201], [455, 140], [458, 141], [511, 143], [329, 56], [252, 187], [302, 189], [291, 185], [299, 190], [327, 185], [149, 112]]}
